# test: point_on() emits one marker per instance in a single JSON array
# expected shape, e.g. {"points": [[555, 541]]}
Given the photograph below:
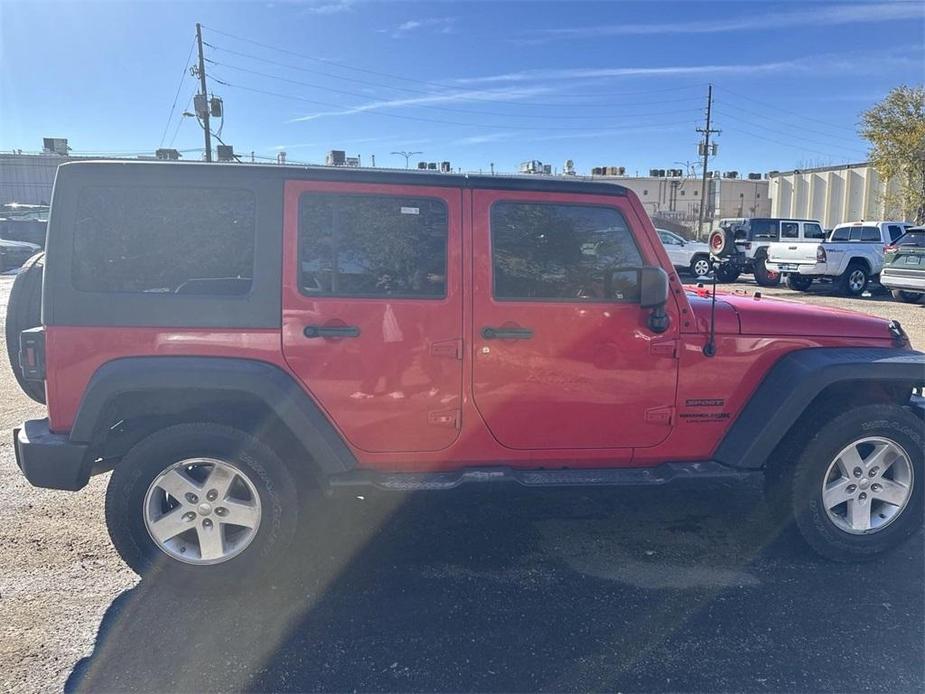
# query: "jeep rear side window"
{"points": [[372, 245], [562, 253], [164, 240]]}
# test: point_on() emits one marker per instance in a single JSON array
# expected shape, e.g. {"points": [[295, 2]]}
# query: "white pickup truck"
{"points": [[849, 257]]}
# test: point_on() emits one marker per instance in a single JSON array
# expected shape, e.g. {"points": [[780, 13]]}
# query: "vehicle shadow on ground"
{"points": [[519, 590]]}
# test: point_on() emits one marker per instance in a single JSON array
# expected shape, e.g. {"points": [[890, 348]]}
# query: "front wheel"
{"points": [[201, 501], [700, 266], [799, 283], [906, 297], [858, 485], [763, 276]]}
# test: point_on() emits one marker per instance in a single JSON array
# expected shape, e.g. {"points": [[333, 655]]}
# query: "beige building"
{"points": [[833, 195], [678, 198]]}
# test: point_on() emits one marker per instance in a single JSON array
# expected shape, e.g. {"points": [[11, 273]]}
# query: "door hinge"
{"points": [[451, 349], [664, 348], [660, 415], [444, 418]]}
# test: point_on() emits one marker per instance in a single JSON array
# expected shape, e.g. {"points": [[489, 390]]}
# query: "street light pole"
{"points": [[407, 156]]}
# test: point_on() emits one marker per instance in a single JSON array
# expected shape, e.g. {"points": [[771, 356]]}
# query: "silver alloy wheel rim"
{"points": [[868, 485], [856, 280], [701, 268], [202, 511]]}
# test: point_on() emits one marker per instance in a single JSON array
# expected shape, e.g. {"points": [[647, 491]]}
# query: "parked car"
{"points": [[752, 238], [685, 255], [14, 253], [233, 341], [850, 257], [904, 266]]}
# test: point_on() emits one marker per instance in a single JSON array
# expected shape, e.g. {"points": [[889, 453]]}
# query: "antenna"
{"points": [[709, 349]]}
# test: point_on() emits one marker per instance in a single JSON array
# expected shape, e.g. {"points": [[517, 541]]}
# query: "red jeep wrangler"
{"points": [[231, 340]]}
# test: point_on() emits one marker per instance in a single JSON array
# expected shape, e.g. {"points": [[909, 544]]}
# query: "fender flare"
{"points": [[266, 382], [793, 383]]}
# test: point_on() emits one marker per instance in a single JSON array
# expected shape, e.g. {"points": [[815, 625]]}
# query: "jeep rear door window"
{"points": [[164, 240], [789, 230], [372, 246], [562, 253], [812, 231]]}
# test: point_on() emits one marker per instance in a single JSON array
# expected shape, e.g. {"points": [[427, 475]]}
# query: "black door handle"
{"points": [[331, 331], [507, 333]]}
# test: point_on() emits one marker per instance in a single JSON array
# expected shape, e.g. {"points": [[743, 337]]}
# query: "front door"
{"points": [[563, 357], [372, 309]]}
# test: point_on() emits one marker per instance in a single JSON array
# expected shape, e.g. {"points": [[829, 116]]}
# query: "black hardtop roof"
{"points": [[526, 182]]}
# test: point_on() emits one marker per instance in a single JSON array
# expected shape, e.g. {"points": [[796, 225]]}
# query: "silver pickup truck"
{"points": [[849, 257]]}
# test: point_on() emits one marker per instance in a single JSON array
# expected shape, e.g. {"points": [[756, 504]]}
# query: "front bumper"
{"points": [[910, 280], [50, 460]]}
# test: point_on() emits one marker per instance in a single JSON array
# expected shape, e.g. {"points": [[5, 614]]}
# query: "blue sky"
{"points": [[607, 83]]}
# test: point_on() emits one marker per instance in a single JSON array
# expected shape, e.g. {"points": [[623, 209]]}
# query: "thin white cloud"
{"points": [[813, 16], [828, 63], [506, 94], [599, 73], [328, 7], [440, 25]]}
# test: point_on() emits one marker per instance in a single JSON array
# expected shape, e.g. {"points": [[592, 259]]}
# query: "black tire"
{"points": [[145, 461], [726, 273], [699, 260], [24, 311], [853, 281], [906, 297], [888, 421], [763, 276], [799, 283]]}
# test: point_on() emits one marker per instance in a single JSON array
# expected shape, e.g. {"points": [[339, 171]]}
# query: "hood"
{"points": [[764, 316]]}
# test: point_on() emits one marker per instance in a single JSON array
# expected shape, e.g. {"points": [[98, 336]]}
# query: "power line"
{"points": [[347, 66], [544, 116], [177, 95], [793, 137], [784, 144], [789, 124], [181, 119], [778, 109], [428, 120]]}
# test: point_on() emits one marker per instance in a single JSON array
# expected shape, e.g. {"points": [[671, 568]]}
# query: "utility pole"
{"points": [[705, 145], [205, 95], [407, 156]]}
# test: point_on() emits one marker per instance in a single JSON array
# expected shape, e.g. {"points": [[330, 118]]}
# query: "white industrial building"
{"points": [[832, 194]]}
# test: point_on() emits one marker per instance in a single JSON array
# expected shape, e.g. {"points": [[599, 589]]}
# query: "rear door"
{"points": [[372, 309], [562, 355]]}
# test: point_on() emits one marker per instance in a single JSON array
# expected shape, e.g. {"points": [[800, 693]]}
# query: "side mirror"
{"points": [[653, 294]]}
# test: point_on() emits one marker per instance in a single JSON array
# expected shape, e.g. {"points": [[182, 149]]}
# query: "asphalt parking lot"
{"points": [[682, 589]]}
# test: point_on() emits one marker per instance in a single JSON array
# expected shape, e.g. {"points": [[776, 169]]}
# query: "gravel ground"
{"points": [[476, 590]]}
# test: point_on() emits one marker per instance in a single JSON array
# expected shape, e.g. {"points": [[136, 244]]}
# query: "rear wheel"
{"points": [[24, 311], [906, 297], [201, 501], [726, 272], [799, 283], [857, 488], [763, 276], [854, 280], [700, 266]]}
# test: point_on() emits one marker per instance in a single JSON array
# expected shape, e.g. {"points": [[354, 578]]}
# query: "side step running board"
{"points": [[618, 477]]}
